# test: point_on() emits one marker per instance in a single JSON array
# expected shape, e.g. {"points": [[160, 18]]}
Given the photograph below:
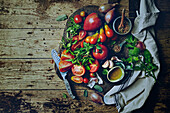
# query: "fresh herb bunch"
{"points": [[135, 54], [73, 27], [82, 55]]}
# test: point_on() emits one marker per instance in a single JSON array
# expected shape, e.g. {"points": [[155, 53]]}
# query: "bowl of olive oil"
{"points": [[115, 74]]}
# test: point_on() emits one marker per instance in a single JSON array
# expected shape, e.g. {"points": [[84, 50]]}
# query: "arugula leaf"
{"points": [[134, 52]]}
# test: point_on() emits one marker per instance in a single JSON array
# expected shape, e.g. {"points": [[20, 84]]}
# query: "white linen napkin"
{"points": [[133, 94]]}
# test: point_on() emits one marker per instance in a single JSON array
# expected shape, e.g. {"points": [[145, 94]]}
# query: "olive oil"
{"points": [[115, 74]]}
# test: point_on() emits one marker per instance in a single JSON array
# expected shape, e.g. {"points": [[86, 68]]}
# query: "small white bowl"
{"points": [[116, 23], [116, 80]]}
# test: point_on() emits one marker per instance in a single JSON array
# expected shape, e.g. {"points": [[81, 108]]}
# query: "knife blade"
{"points": [[56, 59]]}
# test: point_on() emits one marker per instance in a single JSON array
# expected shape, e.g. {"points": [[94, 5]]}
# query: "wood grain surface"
{"points": [[28, 82]]}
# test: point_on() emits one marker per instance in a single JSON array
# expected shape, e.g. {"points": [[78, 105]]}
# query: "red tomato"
{"points": [[82, 34], [74, 46], [78, 70], [100, 54], [102, 37], [92, 75], [95, 66], [85, 80], [87, 40], [65, 65], [93, 40], [77, 79], [77, 19], [66, 55]]}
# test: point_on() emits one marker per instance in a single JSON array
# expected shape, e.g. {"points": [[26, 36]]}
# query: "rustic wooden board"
{"points": [[19, 17], [29, 74], [39, 101], [38, 43]]}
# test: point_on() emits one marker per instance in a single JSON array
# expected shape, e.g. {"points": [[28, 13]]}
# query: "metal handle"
{"points": [[69, 88]]}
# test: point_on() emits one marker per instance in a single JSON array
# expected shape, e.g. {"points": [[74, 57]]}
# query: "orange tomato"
{"points": [[87, 40], [82, 13]]}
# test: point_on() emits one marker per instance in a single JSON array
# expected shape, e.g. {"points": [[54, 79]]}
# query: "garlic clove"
{"points": [[111, 64], [106, 64]]}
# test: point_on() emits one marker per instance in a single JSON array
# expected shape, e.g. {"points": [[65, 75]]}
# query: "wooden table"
{"points": [[28, 32]]}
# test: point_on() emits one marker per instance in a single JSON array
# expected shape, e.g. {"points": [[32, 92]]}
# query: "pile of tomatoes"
{"points": [[98, 52]]}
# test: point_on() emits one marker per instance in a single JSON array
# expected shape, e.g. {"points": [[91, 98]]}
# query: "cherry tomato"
{"points": [[82, 34], [102, 37], [87, 40], [85, 80], [77, 19], [95, 66], [92, 75], [78, 70], [100, 54], [66, 55], [82, 13], [65, 65], [77, 79], [93, 40]]}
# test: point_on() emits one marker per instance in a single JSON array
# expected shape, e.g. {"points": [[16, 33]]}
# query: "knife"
{"points": [[56, 58]]}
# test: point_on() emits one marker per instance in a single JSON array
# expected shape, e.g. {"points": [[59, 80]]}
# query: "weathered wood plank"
{"points": [[29, 74], [38, 43], [29, 43], [39, 14], [50, 101]]}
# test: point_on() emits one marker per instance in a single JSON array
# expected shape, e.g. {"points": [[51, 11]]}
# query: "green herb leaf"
{"points": [[98, 88], [85, 93], [87, 67], [62, 17], [134, 52], [104, 71], [113, 42], [98, 40], [64, 95], [129, 46], [98, 47]]}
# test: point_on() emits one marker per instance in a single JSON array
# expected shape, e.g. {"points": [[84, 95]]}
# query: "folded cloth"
{"points": [[133, 94]]}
